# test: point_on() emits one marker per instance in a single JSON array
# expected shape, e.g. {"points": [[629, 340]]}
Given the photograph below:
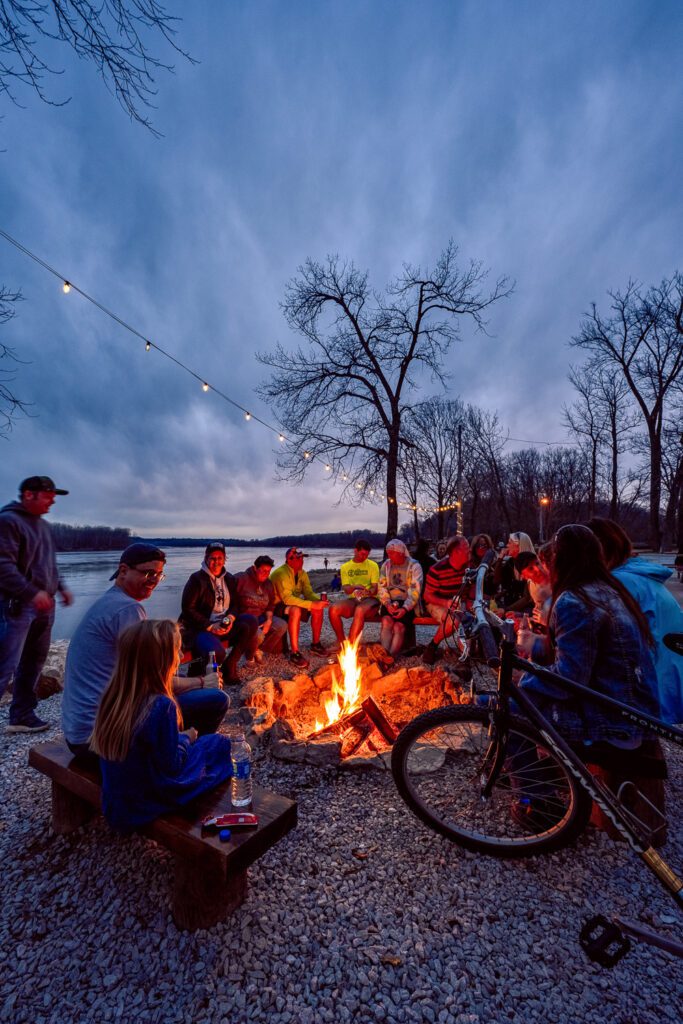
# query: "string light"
{"points": [[307, 455], [281, 437], [205, 386], [247, 416], [148, 345], [66, 287], [328, 467]]}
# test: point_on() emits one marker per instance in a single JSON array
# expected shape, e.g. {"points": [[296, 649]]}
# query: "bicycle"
{"points": [[465, 770]]}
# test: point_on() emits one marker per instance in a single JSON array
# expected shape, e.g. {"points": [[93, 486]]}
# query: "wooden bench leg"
{"points": [[68, 810], [201, 898]]}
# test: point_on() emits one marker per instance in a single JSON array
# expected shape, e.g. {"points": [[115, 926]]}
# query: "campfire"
{"points": [[349, 711], [350, 716]]}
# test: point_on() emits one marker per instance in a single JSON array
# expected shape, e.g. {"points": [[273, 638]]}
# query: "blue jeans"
{"points": [[24, 645], [203, 710]]}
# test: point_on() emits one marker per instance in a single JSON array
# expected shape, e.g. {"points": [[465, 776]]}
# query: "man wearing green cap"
{"points": [[29, 580]]}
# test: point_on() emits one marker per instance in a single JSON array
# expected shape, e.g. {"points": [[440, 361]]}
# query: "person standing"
{"points": [[29, 580]]}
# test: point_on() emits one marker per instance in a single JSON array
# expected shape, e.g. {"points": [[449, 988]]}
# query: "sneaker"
{"points": [[30, 724], [298, 659], [431, 654], [318, 649]]}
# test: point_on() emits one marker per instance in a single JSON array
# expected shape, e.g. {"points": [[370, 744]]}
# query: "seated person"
{"points": [[205, 618], [359, 578], [599, 637], [255, 595], [399, 587], [297, 601], [444, 581], [149, 767], [510, 588], [92, 653], [537, 578], [335, 583]]}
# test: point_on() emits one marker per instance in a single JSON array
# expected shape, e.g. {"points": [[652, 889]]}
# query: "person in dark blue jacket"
{"points": [[149, 765]]}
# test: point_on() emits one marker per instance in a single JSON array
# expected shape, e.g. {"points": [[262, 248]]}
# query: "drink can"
{"points": [[323, 596]]}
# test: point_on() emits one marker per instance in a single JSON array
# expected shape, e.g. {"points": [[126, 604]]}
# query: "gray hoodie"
{"points": [[27, 554]]}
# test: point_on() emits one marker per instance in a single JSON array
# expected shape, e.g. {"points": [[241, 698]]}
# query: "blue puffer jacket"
{"points": [[645, 581], [599, 647]]}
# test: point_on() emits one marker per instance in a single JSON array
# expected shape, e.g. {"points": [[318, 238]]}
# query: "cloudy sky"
{"points": [[545, 139]]}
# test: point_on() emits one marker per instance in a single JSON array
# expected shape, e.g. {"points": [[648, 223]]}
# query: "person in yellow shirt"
{"points": [[359, 578], [297, 601]]}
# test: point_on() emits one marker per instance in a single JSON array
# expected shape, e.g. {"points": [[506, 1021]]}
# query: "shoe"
{"points": [[298, 659], [534, 816], [30, 724], [318, 649], [258, 657], [431, 654]]}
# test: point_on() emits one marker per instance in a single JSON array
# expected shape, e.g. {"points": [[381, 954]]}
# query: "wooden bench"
{"points": [[210, 878]]}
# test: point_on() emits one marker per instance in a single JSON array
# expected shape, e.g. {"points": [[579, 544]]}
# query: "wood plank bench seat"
{"points": [[210, 877]]}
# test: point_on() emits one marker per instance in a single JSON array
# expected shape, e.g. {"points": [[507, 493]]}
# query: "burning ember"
{"points": [[345, 696]]}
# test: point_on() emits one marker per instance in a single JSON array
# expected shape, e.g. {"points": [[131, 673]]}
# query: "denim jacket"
{"points": [[602, 648]]}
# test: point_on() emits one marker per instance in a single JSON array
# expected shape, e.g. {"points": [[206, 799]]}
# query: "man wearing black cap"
{"points": [[92, 653], [29, 580]]}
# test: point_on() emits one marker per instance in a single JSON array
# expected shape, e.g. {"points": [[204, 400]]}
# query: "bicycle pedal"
{"points": [[603, 941]]}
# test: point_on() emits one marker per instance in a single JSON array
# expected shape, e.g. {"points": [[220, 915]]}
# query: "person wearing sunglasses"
{"points": [[92, 654]]}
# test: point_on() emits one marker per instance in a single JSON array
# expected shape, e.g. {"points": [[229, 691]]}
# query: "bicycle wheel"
{"points": [[439, 764]]}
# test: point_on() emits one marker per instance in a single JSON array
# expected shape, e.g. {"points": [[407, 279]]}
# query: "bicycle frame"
{"points": [[506, 661]]}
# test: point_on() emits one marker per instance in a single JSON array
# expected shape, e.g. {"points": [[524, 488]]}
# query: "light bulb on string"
{"points": [[148, 345], [328, 467], [344, 476], [281, 437], [205, 386], [307, 455], [247, 416], [66, 287]]}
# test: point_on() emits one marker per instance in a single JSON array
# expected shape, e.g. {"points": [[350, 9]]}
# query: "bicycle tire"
{"points": [[437, 763]]}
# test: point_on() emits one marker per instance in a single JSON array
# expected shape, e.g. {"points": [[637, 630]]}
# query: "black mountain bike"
{"points": [[505, 782]]}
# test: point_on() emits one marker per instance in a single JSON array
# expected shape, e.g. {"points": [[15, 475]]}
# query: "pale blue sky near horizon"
{"points": [[544, 139]]}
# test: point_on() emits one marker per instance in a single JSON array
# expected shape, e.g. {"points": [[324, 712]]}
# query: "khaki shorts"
{"points": [[437, 611]]}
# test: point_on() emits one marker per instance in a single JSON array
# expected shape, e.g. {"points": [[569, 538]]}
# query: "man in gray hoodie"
{"points": [[29, 580]]}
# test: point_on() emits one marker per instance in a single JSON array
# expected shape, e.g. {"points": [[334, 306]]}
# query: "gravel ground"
{"points": [[360, 914]]}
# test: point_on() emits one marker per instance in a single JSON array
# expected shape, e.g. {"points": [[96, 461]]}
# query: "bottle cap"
{"points": [[224, 835]]}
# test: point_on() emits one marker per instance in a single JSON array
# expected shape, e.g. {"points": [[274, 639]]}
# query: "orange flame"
{"points": [[345, 697]]}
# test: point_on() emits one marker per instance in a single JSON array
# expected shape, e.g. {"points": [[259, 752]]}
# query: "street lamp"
{"points": [[542, 505]]}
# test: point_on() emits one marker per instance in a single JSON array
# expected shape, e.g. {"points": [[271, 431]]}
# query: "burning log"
{"points": [[354, 738], [356, 717], [380, 721]]}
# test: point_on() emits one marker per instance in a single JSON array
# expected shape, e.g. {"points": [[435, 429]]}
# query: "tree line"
{"points": [[346, 396], [90, 538]]}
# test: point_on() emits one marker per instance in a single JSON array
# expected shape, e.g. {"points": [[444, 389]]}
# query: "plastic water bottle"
{"points": [[240, 753]]}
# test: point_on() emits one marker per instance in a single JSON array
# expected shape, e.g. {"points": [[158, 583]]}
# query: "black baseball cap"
{"points": [[137, 553], [215, 545], [295, 551], [40, 483]]}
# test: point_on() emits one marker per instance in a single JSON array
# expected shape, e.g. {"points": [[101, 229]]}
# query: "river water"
{"points": [[86, 573]]}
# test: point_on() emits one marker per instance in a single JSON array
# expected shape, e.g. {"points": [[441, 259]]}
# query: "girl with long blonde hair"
{"points": [[150, 767]]}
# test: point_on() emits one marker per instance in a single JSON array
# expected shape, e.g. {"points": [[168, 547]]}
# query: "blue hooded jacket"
{"points": [[645, 581]]}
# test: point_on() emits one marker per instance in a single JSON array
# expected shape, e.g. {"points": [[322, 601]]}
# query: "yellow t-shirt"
{"points": [[359, 574]]}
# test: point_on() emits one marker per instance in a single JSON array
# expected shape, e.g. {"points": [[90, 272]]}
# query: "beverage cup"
{"points": [[323, 596]]}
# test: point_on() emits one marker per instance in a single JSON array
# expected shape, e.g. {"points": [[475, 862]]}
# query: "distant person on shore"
{"points": [[92, 652], [29, 580], [149, 766], [399, 588], [444, 580], [645, 581], [210, 616], [326, 563], [297, 602], [359, 579], [255, 596]]}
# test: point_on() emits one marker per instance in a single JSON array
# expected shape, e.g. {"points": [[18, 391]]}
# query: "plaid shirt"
{"points": [[599, 647]]}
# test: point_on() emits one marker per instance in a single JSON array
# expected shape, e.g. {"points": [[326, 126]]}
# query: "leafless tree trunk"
{"points": [[641, 337], [343, 398]]}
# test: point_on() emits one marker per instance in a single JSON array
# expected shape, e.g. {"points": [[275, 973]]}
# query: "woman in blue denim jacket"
{"points": [[599, 637]]}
